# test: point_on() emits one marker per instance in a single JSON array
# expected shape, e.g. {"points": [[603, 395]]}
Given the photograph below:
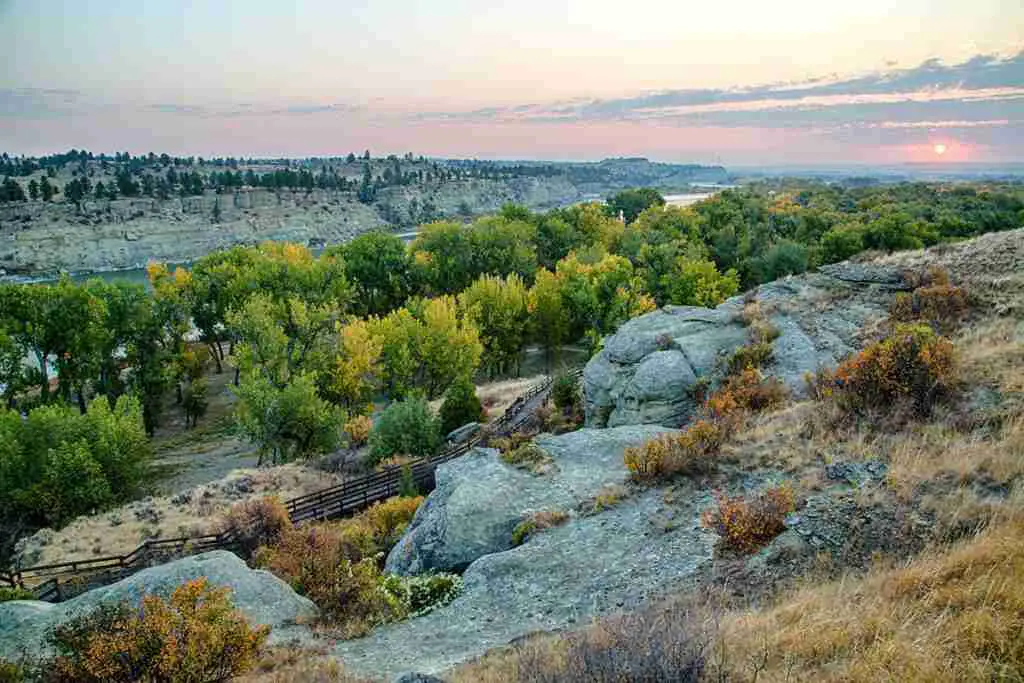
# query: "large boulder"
{"points": [[480, 499], [648, 371], [560, 579], [262, 597]]}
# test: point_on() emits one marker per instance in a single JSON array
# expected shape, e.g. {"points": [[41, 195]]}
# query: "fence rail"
{"points": [[62, 580]]}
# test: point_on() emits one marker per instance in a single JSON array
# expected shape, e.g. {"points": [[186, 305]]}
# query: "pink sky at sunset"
{"points": [[794, 82]]}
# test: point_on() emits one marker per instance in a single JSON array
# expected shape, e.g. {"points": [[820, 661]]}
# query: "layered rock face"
{"points": [[39, 238], [650, 370], [262, 597]]}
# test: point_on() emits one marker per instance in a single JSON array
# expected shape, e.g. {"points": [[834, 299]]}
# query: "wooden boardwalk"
{"points": [[56, 582]]}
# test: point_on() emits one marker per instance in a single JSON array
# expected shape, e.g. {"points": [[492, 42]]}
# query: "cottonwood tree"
{"points": [[377, 264], [498, 308]]}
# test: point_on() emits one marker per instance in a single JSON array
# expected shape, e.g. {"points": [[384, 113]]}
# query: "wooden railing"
{"points": [[56, 582]]}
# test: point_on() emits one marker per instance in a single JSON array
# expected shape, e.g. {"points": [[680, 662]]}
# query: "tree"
{"points": [[10, 191], [33, 189], [498, 308], [367, 190], [14, 377], [287, 422], [698, 283], [351, 372], [630, 203], [195, 402], [405, 428], [840, 243], [461, 406], [58, 464], [377, 264], [548, 315], [46, 189], [426, 347]]}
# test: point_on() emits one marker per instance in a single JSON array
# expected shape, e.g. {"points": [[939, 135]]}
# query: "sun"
{"points": [[939, 149]]}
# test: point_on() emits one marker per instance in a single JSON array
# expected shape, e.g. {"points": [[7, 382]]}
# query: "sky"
{"points": [[743, 82]]}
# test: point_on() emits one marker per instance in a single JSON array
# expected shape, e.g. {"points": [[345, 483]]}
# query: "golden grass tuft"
{"points": [[948, 616]]}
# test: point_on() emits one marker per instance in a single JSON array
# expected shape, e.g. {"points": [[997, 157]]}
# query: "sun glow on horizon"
{"points": [[939, 149]]}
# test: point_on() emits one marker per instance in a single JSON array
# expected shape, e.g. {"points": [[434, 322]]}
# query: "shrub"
{"points": [[754, 355], [7, 594], [407, 483], [195, 635], [608, 497], [747, 525], [747, 391], [691, 452], [11, 672], [389, 519], [527, 456], [257, 522], [839, 244], [405, 428], [335, 564], [912, 366], [358, 430], [943, 306], [565, 392], [194, 401], [783, 258], [461, 406], [418, 595], [538, 521]]}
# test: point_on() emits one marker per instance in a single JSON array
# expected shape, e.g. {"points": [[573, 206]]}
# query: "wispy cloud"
{"points": [[38, 102], [971, 90]]}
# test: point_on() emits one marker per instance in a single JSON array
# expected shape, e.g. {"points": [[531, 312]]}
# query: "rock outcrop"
{"points": [[480, 499], [650, 370], [594, 564], [262, 597]]}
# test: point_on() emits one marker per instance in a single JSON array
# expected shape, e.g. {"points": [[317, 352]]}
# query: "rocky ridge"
{"points": [[38, 239], [652, 370]]}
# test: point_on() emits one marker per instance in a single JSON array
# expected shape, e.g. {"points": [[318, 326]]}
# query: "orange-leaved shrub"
{"points": [[943, 306], [194, 635], [912, 367], [256, 522], [358, 430], [749, 524], [747, 391], [337, 564], [689, 452]]}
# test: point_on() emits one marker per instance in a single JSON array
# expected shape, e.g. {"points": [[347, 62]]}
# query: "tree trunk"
{"points": [[44, 386], [237, 373], [216, 356], [177, 388]]}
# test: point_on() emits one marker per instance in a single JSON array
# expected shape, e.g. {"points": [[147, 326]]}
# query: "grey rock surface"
{"points": [[259, 595], [480, 499], [560, 578], [648, 370]]}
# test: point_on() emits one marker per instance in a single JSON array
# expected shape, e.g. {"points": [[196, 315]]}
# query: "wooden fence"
{"points": [[56, 582]]}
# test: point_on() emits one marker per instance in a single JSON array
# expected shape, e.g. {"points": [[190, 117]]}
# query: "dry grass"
{"points": [[496, 397], [296, 665], [198, 510], [538, 521], [667, 643], [948, 616]]}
